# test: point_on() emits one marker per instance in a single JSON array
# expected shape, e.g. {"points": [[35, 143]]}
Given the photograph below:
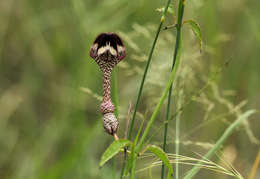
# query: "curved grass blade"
{"points": [[221, 140]]}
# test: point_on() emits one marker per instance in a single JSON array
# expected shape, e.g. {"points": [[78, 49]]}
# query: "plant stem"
{"points": [[146, 69], [158, 106], [166, 127], [176, 54], [177, 135], [220, 141], [132, 174], [194, 94], [124, 164], [255, 166], [115, 101], [144, 76]]}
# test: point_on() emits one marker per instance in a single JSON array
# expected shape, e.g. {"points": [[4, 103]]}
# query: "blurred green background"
{"points": [[50, 125]]}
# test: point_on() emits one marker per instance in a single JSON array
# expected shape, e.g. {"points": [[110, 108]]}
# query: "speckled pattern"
{"points": [[110, 123], [106, 61]]}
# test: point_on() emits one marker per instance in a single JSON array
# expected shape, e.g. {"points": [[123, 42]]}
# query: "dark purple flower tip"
{"points": [[108, 42]]}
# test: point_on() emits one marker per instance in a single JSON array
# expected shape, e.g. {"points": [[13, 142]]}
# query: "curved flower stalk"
{"points": [[108, 50]]}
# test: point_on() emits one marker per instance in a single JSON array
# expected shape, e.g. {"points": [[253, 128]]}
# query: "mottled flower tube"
{"points": [[108, 50]]}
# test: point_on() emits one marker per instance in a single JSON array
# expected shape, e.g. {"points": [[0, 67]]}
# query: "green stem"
{"points": [[124, 164], [221, 140], [146, 70], [177, 52], [132, 175], [159, 105], [177, 135], [144, 76], [166, 127], [115, 101], [196, 93]]}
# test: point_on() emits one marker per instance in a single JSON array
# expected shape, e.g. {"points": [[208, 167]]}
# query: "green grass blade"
{"points": [[196, 30], [221, 140]]}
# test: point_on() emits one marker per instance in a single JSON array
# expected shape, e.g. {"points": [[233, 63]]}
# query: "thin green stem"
{"points": [[166, 122], [144, 76], [177, 52], [177, 135], [132, 175], [158, 106], [142, 83], [115, 101], [146, 70], [133, 154], [124, 164], [220, 141], [114, 167]]}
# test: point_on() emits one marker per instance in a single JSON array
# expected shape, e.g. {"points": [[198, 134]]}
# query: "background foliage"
{"points": [[50, 88]]}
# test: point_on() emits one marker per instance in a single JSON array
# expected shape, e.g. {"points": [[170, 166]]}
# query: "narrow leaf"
{"points": [[113, 149], [196, 30], [162, 155]]}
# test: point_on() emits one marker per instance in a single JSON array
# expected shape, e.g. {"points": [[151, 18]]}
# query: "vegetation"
{"points": [[186, 95]]}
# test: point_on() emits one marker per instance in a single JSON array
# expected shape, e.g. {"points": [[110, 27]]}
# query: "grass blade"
{"points": [[196, 30], [221, 140]]}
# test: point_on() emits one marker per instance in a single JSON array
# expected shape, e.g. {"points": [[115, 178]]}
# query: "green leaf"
{"points": [[196, 30], [113, 149], [162, 155]]}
